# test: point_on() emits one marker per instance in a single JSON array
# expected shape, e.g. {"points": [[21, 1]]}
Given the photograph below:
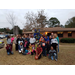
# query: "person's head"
{"points": [[41, 37], [51, 33], [17, 36], [30, 44], [20, 37], [20, 43], [50, 36], [51, 47], [39, 45], [12, 36], [55, 35], [25, 40]]}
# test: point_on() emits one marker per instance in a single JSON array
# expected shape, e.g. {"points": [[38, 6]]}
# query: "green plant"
{"points": [[67, 40]]}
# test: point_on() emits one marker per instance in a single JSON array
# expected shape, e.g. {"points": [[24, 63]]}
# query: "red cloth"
{"points": [[39, 49], [8, 47]]}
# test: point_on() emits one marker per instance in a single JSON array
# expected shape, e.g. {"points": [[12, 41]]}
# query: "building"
{"points": [[62, 32], [15, 30]]}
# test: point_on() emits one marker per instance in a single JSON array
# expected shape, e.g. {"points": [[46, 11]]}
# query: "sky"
{"points": [[61, 14]]}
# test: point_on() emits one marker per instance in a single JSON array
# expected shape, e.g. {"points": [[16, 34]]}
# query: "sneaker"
{"points": [[8, 53], [55, 59]]}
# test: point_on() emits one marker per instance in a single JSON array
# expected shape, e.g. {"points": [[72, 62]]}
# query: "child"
{"points": [[21, 47], [25, 45], [52, 53], [8, 48], [39, 51]]}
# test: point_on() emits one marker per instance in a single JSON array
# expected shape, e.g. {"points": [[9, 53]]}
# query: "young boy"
{"points": [[39, 51], [52, 53], [21, 47], [8, 48]]}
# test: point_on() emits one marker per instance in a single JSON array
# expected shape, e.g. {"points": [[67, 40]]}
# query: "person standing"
{"points": [[57, 40], [32, 40], [9, 43], [16, 44]]}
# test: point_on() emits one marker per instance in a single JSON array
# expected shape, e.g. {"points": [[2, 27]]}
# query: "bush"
{"points": [[67, 40]]}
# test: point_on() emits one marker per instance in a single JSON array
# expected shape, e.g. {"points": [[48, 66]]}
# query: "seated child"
{"points": [[21, 47], [33, 49], [52, 53], [8, 48], [39, 51]]}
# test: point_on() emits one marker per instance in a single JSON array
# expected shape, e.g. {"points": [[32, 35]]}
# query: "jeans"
{"points": [[58, 47], [51, 56], [9, 51], [44, 52]]}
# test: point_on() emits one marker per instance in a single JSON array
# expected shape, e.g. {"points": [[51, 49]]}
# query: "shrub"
{"points": [[67, 40]]}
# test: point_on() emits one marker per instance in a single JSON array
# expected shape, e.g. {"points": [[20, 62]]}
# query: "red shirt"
{"points": [[39, 49]]}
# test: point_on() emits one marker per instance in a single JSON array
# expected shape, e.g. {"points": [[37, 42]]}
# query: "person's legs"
{"points": [[8, 52], [52, 58], [55, 55], [58, 47], [39, 56]]}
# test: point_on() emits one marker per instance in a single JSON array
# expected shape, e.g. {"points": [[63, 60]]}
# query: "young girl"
{"points": [[8, 48]]}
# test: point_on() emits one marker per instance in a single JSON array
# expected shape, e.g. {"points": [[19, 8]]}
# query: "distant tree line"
{"points": [[10, 31]]}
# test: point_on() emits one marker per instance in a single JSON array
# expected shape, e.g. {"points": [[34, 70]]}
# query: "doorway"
{"points": [[48, 34]]}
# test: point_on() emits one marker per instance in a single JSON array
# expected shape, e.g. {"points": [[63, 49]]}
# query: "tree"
{"points": [[35, 20], [11, 19], [70, 23], [53, 22], [41, 19]]}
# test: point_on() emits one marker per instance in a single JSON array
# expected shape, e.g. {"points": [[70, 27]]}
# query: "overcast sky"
{"points": [[62, 14]]}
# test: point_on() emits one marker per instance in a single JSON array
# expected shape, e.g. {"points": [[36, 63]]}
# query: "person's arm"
{"points": [[36, 52], [40, 52]]}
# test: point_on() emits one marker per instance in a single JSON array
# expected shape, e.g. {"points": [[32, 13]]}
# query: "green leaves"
{"points": [[53, 22], [70, 23]]}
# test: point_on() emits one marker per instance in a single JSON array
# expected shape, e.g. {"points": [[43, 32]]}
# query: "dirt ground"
{"points": [[66, 56]]}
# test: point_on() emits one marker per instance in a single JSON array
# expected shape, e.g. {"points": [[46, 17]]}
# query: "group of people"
{"points": [[45, 45]]}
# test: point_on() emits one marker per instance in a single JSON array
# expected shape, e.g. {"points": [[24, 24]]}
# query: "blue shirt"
{"points": [[46, 39]]}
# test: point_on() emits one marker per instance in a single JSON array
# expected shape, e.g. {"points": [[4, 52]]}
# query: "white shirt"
{"points": [[32, 40], [54, 41]]}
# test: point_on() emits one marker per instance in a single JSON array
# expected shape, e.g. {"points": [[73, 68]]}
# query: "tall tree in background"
{"points": [[70, 23], [11, 19], [35, 20], [41, 19], [53, 22]]}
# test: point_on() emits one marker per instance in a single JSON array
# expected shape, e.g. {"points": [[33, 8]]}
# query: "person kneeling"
{"points": [[52, 53], [39, 51], [8, 48]]}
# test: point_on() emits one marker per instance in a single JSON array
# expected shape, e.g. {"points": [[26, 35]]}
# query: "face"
{"points": [[49, 36], [51, 48], [51, 33], [21, 43], [20, 37], [39, 45], [41, 37], [53, 37]]}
